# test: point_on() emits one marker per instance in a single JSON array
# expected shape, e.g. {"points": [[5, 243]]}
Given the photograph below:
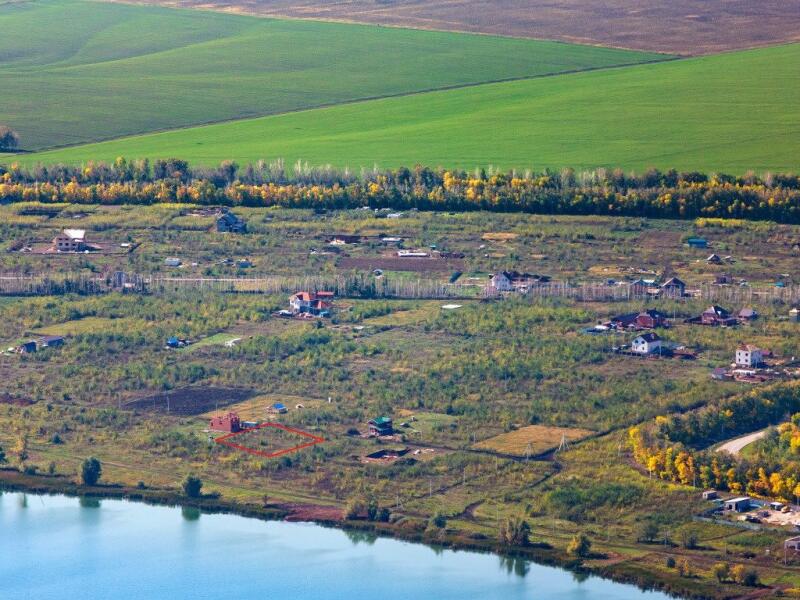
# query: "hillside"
{"points": [[678, 26], [730, 112], [74, 72]]}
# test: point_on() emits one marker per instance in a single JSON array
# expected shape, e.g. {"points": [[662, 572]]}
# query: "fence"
{"points": [[365, 286]]}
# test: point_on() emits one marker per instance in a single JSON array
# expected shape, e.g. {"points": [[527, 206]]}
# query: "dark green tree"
{"points": [[91, 469], [192, 486]]}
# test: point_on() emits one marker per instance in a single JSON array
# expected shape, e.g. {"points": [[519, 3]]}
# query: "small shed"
{"points": [[739, 504], [26, 347], [710, 495], [278, 408]]}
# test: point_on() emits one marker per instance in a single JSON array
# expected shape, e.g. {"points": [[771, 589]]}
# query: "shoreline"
{"points": [[540, 553]]}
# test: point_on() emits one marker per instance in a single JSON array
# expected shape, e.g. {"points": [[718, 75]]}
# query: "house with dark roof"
{"points": [[228, 222], [26, 347], [647, 343], [51, 341], [380, 426], [716, 316], [647, 319], [673, 288]]}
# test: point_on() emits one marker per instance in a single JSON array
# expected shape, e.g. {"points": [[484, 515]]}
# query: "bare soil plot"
{"points": [[540, 438], [190, 400], [677, 27]]}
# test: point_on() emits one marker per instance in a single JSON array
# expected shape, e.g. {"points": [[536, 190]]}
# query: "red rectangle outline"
{"points": [[225, 440]]}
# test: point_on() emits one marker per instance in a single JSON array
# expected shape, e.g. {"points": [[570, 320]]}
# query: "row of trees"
{"points": [[653, 194]]}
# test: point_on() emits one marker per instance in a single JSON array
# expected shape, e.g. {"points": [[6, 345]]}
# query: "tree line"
{"points": [[655, 194]]}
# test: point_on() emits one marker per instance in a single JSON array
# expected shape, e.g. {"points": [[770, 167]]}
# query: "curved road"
{"points": [[735, 445]]}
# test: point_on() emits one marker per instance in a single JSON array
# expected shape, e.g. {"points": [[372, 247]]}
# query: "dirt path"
{"points": [[735, 445]]}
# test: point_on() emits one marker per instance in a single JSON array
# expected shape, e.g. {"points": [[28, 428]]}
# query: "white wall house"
{"points": [[748, 355], [647, 343], [501, 282]]}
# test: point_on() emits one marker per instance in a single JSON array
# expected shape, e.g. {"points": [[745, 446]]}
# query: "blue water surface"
{"points": [[55, 547]]}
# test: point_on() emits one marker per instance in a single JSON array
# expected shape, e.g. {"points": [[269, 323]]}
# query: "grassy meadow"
{"points": [[730, 112], [74, 71]]}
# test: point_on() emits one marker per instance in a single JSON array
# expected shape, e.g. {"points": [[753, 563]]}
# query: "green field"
{"points": [[731, 112], [74, 71]]}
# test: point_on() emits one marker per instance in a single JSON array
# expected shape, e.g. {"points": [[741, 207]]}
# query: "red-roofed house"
{"points": [[312, 303]]}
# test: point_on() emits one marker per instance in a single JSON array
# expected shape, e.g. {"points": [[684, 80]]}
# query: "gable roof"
{"points": [[717, 310], [673, 281], [648, 337]]}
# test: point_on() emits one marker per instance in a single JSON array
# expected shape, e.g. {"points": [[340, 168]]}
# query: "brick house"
{"points": [[228, 423]]}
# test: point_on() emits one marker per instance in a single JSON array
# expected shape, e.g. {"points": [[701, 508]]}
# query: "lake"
{"points": [[71, 548]]}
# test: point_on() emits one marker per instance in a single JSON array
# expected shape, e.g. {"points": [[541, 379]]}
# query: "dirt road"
{"points": [[735, 445]]}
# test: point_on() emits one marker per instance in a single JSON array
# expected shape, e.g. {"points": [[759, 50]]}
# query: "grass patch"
{"points": [[89, 325], [692, 114], [218, 339], [539, 437]]}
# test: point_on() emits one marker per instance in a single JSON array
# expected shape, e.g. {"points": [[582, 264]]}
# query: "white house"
{"points": [[748, 355], [71, 240], [501, 282], [647, 343]]}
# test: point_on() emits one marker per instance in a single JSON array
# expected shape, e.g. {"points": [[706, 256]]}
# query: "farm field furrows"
{"points": [[74, 71], [679, 26], [731, 112]]}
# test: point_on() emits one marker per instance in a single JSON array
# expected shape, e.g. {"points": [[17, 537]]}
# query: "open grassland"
{"points": [[731, 112], [679, 26], [532, 440], [74, 71]]}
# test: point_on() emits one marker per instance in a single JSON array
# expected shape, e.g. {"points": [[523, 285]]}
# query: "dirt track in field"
{"points": [[678, 26]]}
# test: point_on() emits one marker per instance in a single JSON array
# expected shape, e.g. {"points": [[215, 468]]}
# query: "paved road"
{"points": [[735, 445]]}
